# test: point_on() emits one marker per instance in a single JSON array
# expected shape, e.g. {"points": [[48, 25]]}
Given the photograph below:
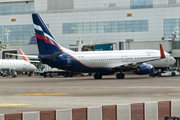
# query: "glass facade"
{"points": [[171, 30], [141, 4], [105, 27], [171, 26], [16, 9], [16, 34]]}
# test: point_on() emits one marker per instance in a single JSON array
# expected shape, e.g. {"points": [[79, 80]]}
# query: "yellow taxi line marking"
{"points": [[12, 104], [42, 94]]}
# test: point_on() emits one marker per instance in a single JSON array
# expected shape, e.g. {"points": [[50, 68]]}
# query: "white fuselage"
{"points": [[113, 59], [19, 65]]}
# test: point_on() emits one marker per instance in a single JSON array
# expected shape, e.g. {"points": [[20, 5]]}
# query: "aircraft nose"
{"points": [[174, 60], [33, 67]]}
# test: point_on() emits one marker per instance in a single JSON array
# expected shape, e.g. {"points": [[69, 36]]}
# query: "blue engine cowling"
{"points": [[144, 69]]}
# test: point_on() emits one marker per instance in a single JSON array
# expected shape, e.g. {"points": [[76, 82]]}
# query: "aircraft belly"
{"points": [[95, 64], [86, 66]]}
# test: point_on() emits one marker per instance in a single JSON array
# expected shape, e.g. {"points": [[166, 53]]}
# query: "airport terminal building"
{"points": [[98, 20]]}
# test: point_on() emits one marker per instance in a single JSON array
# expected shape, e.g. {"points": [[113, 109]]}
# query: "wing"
{"points": [[133, 65], [128, 65]]}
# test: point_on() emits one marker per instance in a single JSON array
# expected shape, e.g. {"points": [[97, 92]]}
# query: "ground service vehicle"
{"points": [[47, 71]]}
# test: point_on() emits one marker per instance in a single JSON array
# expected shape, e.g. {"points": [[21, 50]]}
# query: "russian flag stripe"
{"points": [[37, 27], [42, 37], [39, 32]]}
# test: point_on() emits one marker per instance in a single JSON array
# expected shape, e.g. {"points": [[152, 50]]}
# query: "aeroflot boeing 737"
{"points": [[98, 62]]}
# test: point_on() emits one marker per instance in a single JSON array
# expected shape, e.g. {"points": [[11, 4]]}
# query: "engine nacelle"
{"points": [[144, 69]]}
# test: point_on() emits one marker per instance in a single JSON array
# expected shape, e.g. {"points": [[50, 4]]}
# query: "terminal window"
{"points": [[171, 31], [171, 26], [16, 9], [60, 4], [16, 34], [141, 4], [105, 27], [172, 1]]}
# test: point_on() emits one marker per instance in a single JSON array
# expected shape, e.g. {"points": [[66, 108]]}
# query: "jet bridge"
{"points": [[126, 45], [5, 54]]}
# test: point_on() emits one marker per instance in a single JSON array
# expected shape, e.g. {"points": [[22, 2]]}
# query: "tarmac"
{"points": [[36, 93]]}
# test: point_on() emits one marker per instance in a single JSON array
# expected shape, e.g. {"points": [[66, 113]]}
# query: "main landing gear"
{"points": [[98, 76], [29, 73], [120, 76]]}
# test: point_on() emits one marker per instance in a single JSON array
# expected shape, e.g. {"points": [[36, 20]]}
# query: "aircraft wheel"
{"points": [[15, 74], [159, 74], [95, 76], [71, 75], [99, 76], [66, 74], [152, 75], [45, 75], [30, 73], [173, 74], [120, 76], [50, 75], [89, 74]]}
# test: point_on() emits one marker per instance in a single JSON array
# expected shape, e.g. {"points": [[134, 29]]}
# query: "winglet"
{"points": [[162, 52], [23, 55]]}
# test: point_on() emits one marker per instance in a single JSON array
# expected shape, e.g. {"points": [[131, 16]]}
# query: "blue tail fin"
{"points": [[45, 40]]}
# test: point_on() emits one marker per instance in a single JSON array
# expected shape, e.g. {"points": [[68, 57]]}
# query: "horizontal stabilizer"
{"points": [[53, 56]]}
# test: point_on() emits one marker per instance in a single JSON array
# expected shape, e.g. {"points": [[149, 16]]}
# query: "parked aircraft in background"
{"points": [[18, 65], [25, 57], [98, 62]]}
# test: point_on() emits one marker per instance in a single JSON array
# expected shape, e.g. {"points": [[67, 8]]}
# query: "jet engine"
{"points": [[144, 69]]}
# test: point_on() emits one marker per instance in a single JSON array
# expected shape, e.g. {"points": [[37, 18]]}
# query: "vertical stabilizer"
{"points": [[45, 40], [162, 52], [23, 55]]}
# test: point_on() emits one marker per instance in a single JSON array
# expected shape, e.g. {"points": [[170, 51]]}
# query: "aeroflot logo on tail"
{"points": [[43, 36]]}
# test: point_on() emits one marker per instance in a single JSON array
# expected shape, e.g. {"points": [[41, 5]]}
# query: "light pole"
{"points": [[7, 31]]}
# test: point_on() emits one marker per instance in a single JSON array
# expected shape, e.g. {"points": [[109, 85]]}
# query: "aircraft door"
{"points": [[167, 58], [24, 67], [68, 61]]}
